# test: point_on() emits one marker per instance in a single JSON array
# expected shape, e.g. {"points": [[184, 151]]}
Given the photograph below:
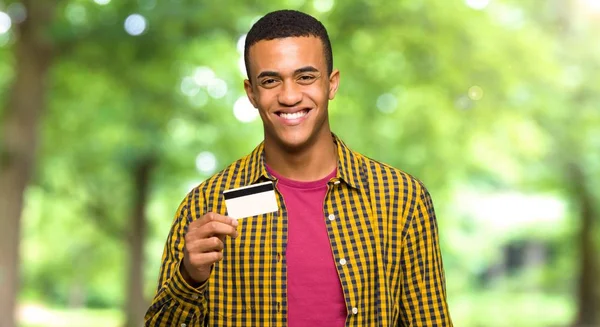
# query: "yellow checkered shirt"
{"points": [[383, 237]]}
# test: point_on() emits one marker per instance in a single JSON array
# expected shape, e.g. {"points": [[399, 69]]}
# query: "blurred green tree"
{"points": [[33, 54], [451, 94]]}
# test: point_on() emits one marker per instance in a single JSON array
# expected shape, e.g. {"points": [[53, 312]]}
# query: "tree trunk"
{"points": [[26, 102], [587, 297], [136, 304], [588, 292]]}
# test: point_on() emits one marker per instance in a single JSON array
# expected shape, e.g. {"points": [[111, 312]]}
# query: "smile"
{"points": [[293, 115], [293, 118]]}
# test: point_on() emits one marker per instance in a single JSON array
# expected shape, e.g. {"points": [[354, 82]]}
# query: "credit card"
{"points": [[251, 200]]}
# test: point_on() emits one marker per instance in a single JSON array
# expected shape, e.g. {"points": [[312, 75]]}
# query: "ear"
{"points": [[250, 93], [334, 82]]}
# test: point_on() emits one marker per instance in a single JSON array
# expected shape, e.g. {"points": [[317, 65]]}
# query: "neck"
{"points": [[312, 163]]}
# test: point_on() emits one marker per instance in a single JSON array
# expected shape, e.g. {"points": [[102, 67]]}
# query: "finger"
{"points": [[211, 229], [212, 216], [216, 228], [204, 259], [205, 245]]}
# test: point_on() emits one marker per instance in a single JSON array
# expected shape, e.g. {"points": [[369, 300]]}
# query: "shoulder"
{"points": [[388, 178]]}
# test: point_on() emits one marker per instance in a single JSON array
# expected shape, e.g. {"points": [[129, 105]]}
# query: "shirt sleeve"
{"points": [[423, 295], [176, 303]]}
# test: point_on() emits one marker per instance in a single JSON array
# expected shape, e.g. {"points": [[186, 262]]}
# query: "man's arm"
{"points": [[423, 294], [177, 303]]}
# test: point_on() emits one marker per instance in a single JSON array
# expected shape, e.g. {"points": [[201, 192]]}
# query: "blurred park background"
{"points": [[111, 111]]}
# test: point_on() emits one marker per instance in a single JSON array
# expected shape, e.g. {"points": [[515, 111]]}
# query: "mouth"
{"points": [[293, 118], [292, 115]]}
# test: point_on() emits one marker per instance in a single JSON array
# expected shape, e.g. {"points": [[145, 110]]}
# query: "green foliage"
{"points": [[483, 101]]}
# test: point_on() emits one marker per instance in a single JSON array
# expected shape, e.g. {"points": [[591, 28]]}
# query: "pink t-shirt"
{"points": [[315, 295]]}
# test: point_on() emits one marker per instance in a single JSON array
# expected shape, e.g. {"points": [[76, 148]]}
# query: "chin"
{"points": [[294, 141]]}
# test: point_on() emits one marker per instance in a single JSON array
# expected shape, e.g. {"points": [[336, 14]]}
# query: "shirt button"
{"points": [[342, 261], [278, 257], [331, 217], [354, 310], [336, 182], [195, 297], [183, 325]]}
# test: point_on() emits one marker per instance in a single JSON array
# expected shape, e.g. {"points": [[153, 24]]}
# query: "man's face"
{"points": [[290, 87]]}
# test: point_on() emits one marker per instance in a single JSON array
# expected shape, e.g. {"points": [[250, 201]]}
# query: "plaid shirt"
{"points": [[383, 235]]}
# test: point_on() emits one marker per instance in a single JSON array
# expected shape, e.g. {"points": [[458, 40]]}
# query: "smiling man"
{"points": [[353, 242]]}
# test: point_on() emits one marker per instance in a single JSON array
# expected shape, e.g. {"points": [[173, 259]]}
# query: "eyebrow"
{"points": [[307, 69], [268, 73]]}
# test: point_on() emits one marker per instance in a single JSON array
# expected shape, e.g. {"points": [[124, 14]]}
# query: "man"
{"points": [[354, 242]]}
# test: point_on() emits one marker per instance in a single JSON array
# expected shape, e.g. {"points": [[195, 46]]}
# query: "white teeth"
{"points": [[294, 115]]}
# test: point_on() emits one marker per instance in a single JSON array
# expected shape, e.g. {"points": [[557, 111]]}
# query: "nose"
{"points": [[290, 94]]}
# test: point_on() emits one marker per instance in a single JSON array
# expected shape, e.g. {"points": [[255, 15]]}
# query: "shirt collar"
{"points": [[349, 165]]}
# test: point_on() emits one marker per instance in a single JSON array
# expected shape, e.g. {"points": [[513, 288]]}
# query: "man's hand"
{"points": [[204, 243]]}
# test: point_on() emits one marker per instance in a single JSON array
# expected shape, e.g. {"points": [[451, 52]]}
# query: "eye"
{"points": [[268, 82], [306, 79]]}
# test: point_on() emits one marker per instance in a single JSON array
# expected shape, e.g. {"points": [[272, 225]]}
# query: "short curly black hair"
{"points": [[287, 23]]}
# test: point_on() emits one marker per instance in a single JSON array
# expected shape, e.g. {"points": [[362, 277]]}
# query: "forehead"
{"points": [[287, 54]]}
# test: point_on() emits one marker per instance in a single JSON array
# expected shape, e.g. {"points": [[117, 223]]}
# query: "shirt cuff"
{"points": [[183, 292]]}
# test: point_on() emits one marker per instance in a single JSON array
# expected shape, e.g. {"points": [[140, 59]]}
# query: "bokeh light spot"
{"points": [[147, 4], [244, 111], [387, 103], [477, 4], [203, 75], [217, 88], [76, 14], [135, 24], [206, 162], [323, 5], [102, 2], [463, 102], [200, 99], [17, 12], [189, 86], [593, 4], [509, 16], [475, 93], [5, 22]]}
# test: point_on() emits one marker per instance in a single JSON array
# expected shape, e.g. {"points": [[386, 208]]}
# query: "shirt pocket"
{"points": [[231, 316], [229, 312]]}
